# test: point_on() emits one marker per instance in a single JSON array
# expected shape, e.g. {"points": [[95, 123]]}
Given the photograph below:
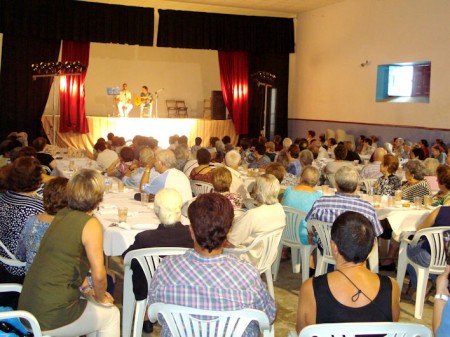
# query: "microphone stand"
{"points": [[156, 101]]}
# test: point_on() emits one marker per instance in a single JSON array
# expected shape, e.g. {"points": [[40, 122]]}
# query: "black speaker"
{"points": [[218, 108]]}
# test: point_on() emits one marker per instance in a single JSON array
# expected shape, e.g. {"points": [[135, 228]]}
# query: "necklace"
{"points": [[355, 297]]}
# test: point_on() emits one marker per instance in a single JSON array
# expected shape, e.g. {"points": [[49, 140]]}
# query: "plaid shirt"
{"points": [[328, 208], [221, 282]]}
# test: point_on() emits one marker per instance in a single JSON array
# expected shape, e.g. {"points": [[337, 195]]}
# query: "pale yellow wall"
{"points": [[186, 74], [333, 41]]}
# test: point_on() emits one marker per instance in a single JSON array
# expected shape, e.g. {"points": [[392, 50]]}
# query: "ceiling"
{"points": [[281, 8]]}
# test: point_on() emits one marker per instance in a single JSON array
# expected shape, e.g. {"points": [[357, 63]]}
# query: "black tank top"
{"points": [[329, 310]]}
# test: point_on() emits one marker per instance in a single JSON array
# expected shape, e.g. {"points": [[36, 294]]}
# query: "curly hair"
{"points": [[211, 216], [55, 196], [25, 175]]}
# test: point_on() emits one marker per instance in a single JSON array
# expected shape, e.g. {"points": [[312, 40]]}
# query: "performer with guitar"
{"points": [[124, 98], [145, 100]]}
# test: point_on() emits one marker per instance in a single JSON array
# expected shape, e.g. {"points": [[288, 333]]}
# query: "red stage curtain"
{"points": [[234, 81], [71, 90]]}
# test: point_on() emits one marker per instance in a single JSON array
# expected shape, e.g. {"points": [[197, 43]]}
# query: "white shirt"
{"points": [[106, 158]]}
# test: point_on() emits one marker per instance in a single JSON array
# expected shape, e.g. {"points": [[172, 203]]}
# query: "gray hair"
{"points": [[287, 142], [266, 190], [306, 157], [431, 165], [347, 179], [310, 176], [182, 152], [167, 158], [388, 147], [416, 168], [220, 146], [232, 158], [146, 156], [167, 206]]}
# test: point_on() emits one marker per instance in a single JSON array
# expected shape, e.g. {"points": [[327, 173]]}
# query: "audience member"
{"points": [[203, 171], [55, 199], [232, 162], [46, 159], [351, 293], [388, 183], [439, 153], [372, 170], [441, 308], [220, 281], [221, 180], [443, 179], [170, 233], [169, 177], [23, 178], [267, 216], [72, 246], [415, 185], [261, 159], [289, 178], [105, 157], [431, 165], [303, 196]]}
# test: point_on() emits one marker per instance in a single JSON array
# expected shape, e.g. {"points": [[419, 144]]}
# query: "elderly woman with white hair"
{"points": [[170, 233], [267, 216], [416, 185]]}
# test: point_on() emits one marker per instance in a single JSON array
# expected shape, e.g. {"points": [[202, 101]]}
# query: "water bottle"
{"points": [[107, 183]]}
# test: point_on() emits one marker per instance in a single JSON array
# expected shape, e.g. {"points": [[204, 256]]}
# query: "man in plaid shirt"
{"points": [[204, 277]]}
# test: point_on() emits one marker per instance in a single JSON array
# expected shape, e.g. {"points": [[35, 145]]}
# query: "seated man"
{"points": [[232, 162], [124, 104], [204, 277], [261, 159], [372, 170], [170, 233], [328, 208], [169, 176]]}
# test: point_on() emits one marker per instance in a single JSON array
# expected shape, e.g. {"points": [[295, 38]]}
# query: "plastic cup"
{"points": [[398, 196], [390, 201], [376, 201], [120, 186], [144, 199], [356, 162], [417, 202], [122, 212], [427, 201]]}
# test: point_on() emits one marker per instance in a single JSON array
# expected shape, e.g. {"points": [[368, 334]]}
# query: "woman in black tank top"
{"points": [[351, 293]]}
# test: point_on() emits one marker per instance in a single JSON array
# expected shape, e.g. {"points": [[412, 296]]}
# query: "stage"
{"points": [[159, 128]]}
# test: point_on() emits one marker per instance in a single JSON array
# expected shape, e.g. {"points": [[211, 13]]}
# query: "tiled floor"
{"points": [[286, 294]]}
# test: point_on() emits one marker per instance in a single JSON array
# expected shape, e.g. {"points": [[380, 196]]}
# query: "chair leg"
{"points": [[295, 260], [422, 279], [305, 255], [269, 281], [373, 258], [139, 314], [276, 264], [402, 262], [127, 312]]}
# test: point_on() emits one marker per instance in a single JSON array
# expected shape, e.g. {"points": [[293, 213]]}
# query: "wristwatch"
{"points": [[441, 297]]}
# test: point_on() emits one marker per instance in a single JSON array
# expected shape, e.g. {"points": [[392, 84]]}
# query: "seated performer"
{"points": [[124, 98], [146, 101]]}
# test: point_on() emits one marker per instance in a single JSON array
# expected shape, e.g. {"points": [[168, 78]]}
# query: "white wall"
{"points": [[332, 42], [185, 74]]}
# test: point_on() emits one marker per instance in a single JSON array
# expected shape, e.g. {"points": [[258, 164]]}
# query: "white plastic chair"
{"points": [[188, 322], [435, 237], [323, 230], [300, 253], [11, 260], [200, 187], [149, 259], [21, 314], [387, 329], [267, 243]]}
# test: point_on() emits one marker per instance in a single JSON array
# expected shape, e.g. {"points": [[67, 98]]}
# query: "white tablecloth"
{"points": [[115, 239], [62, 166]]}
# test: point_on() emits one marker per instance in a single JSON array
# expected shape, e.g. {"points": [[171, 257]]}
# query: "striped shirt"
{"points": [[328, 208], [220, 282]]}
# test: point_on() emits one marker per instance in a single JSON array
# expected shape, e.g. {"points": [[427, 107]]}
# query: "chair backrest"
{"points": [[368, 183], [149, 258], [185, 321], [435, 237], [10, 260], [200, 187], [323, 230], [25, 315], [387, 329], [266, 244], [291, 233], [171, 103], [181, 104]]}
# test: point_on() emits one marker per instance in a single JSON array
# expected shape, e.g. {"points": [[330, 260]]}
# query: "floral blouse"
{"points": [[386, 185]]}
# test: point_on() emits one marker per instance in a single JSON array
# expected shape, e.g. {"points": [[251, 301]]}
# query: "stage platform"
{"points": [[159, 128]]}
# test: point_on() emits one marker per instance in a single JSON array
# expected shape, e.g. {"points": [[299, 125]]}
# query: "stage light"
{"points": [[57, 68]]}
